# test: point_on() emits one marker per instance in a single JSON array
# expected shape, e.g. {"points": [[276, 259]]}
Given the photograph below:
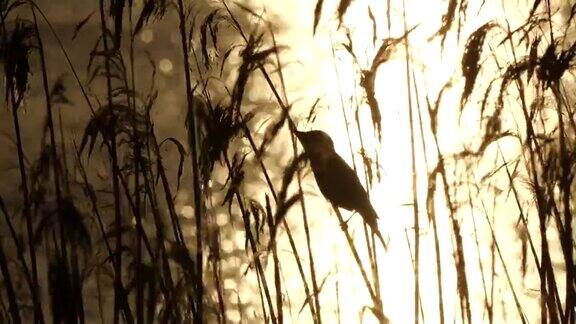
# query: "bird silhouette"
{"points": [[336, 179]]}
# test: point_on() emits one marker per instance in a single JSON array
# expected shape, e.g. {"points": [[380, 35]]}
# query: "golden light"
{"points": [[329, 72], [190, 192]]}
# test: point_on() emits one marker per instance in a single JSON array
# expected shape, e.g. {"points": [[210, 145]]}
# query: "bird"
{"points": [[337, 181]]}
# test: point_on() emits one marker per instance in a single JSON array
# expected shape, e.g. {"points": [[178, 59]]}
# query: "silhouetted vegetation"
{"points": [[126, 219]]}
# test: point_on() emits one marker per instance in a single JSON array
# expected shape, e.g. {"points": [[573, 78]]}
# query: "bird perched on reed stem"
{"points": [[337, 181]]}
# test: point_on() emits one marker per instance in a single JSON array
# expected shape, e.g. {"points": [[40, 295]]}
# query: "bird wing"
{"points": [[340, 184]]}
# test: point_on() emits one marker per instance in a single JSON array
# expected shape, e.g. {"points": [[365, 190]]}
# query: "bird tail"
{"points": [[371, 218]]}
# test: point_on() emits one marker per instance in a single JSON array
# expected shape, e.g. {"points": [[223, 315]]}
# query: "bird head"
{"points": [[317, 144]]}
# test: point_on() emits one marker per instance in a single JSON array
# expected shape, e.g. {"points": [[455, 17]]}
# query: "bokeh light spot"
{"points": [[187, 212], [147, 36], [166, 66]]}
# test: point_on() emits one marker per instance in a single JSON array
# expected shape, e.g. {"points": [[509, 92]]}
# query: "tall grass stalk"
{"points": [[253, 246], [115, 172], [369, 244], [413, 265], [450, 204], [509, 280], [314, 310], [77, 310], [487, 305], [566, 191], [136, 165], [430, 208], [198, 204], [376, 310], [534, 155], [414, 175], [285, 105], [15, 104]]}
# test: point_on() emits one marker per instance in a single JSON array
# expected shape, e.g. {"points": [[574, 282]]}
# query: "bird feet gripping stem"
{"points": [[344, 223]]}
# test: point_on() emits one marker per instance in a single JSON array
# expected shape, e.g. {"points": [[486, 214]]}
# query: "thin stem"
{"points": [[136, 164], [430, 207], [565, 185], [516, 301], [414, 176], [253, 245], [265, 171], [115, 173], [370, 246], [377, 311], [316, 295], [198, 205]]}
